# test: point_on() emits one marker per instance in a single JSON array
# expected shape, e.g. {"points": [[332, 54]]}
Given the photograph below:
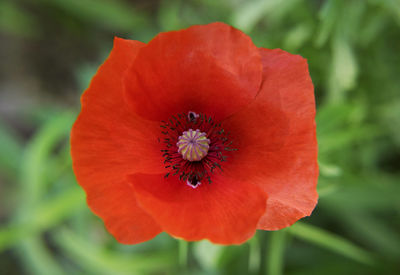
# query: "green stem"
{"points": [[276, 252], [183, 253], [254, 256]]}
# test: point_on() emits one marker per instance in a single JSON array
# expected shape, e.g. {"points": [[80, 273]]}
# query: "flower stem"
{"points": [[254, 255], [183, 250], [276, 253]]}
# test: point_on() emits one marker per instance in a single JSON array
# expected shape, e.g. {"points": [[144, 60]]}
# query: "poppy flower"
{"points": [[200, 134]]}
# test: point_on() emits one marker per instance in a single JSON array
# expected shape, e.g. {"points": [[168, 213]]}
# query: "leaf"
{"points": [[16, 21], [392, 7], [346, 137], [169, 15], [366, 192], [98, 260], [10, 152], [113, 14], [35, 255], [37, 258], [374, 232], [37, 153], [344, 69], [331, 242], [329, 170], [297, 37], [46, 215], [251, 12], [327, 16]]}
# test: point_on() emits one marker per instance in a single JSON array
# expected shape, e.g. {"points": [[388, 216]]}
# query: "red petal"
{"points": [[108, 142], [276, 139], [114, 201], [213, 69], [222, 212]]}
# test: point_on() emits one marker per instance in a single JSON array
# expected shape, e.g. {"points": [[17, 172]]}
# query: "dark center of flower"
{"points": [[193, 155]]}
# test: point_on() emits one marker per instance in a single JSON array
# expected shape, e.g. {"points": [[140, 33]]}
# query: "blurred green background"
{"points": [[50, 49]]}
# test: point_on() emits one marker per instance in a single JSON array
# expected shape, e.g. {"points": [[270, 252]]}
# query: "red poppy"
{"points": [[198, 133]]}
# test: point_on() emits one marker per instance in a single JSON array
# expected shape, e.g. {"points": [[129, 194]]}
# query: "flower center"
{"points": [[194, 155], [193, 145]]}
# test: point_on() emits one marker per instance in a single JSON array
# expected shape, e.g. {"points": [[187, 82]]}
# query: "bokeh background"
{"points": [[50, 49]]}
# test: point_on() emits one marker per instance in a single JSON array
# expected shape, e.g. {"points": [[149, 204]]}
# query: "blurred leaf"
{"points": [[169, 15], [251, 12], [9, 235], [340, 126], [16, 21], [391, 115], [327, 15], [391, 6], [297, 36], [10, 152], [374, 232], [99, 260], [372, 28], [331, 242], [48, 214], [330, 118], [329, 170], [366, 192], [345, 138], [326, 189], [350, 20], [51, 212], [113, 14], [234, 260], [85, 73], [36, 155], [60, 167], [344, 69], [37, 258]]}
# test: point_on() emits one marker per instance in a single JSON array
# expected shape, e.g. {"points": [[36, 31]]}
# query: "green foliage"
{"points": [[352, 47], [331, 242], [15, 20]]}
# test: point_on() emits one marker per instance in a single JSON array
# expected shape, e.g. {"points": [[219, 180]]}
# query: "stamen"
{"points": [[193, 182], [194, 155], [192, 116]]}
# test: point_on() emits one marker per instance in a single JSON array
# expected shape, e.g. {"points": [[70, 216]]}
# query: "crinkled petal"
{"points": [[224, 212], [276, 138], [213, 69], [109, 142]]}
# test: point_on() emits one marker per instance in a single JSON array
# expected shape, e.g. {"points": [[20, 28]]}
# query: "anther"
{"points": [[194, 155], [193, 181], [192, 116]]}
